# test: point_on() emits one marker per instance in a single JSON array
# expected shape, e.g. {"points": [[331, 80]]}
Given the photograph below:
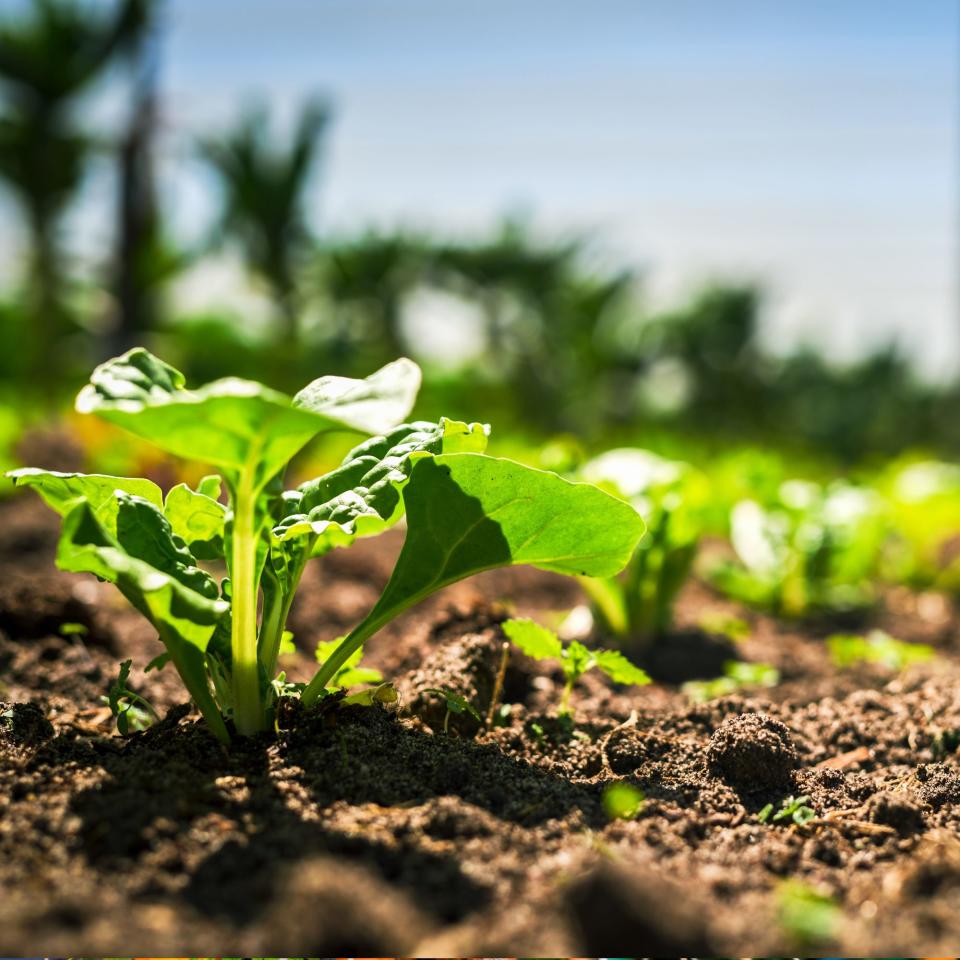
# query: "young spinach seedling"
{"points": [[455, 703], [794, 809], [466, 512], [129, 709], [575, 659]]}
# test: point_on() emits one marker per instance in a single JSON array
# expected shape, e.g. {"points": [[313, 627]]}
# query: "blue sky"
{"points": [[810, 146]]}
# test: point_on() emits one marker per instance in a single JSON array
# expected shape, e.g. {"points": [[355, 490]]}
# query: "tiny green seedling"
{"points": [[455, 703], [622, 801], [792, 809], [73, 630], [737, 675], [130, 711], [809, 916], [465, 512], [574, 658], [876, 647]]}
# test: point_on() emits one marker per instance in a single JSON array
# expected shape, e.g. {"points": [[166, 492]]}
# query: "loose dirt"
{"points": [[365, 831]]}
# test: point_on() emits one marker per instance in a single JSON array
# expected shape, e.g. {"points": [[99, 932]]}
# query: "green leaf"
{"points": [[577, 660], [62, 491], [533, 639], [176, 599], [618, 668], [467, 512], [372, 405], [237, 424], [455, 702], [362, 496], [197, 518], [384, 693], [621, 801]]}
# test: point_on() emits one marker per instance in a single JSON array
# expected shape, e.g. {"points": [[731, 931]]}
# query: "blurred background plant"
{"points": [[548, 333]]}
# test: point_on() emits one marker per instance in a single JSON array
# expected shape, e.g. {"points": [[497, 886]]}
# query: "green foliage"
{"points": [[792, 809], [637, 606], [737, 675], [621, 801], [876, 647], [574, 658], [130, 711], [812, 551], [465, 512], [924, 499]]}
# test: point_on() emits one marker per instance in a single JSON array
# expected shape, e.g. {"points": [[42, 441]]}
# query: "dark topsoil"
{"points": [[360, 831]]}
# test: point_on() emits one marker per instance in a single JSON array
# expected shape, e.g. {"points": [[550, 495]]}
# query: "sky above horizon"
{"points": [[811, 147]]}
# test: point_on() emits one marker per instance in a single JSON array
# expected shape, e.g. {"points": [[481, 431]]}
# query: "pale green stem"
{"points": [[247, 708], [274, 621], [360, 634]]}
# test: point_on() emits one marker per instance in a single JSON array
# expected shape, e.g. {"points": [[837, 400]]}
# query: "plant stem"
{"points": [[356, 638], [565, 698], [247, 711]]}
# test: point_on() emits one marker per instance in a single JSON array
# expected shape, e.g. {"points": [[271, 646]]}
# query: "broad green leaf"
{"points": [[237, 424], [373, 405], [184, 617], [618, 668], [197, 518], [145, 534], [467, 512], [362, 496], [62, 491], [533, 639]]}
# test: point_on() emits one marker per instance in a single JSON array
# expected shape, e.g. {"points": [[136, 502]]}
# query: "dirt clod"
{"points": [[897, 810], [752, 752]]}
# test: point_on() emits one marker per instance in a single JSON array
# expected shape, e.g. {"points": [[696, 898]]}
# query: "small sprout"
{"points": [[455, 703], [287, 646], [725, 625], [621, 801], [383, 694], [575, 659], [792, 808], [131, 711], [806, 914], [876, 647], [350, 674], [73, 630], [737, 675]]}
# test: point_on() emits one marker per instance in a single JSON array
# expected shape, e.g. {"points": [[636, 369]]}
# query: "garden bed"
{"points": [[363, 831]]}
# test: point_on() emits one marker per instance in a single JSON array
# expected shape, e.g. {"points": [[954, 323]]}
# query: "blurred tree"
{"points": [[47, 59], [263, 201], [371, 275], [145, 259]]}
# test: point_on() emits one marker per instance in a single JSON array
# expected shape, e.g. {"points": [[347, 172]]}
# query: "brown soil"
{"points": [[363, 831]]}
